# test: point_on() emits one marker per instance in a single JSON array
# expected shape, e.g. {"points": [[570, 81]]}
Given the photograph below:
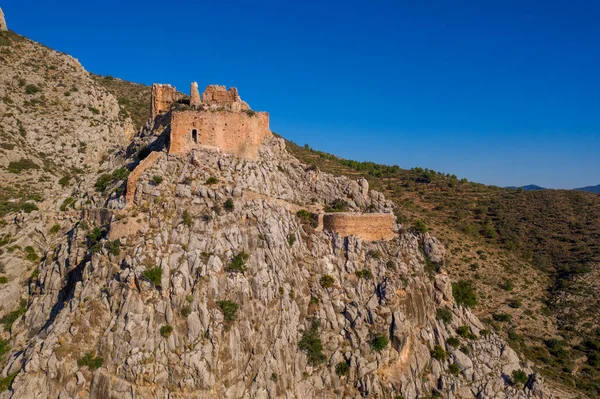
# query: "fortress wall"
{"points": [[133, 177], [162, 98], [367, 226], [233, 132]]}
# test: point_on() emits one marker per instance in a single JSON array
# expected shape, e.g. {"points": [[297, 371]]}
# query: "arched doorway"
{"points": [[195, 136]]}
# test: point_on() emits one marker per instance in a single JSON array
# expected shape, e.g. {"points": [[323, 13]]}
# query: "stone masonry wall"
{"points": [[162, 98], [367, 226], [219, 94], [235, 133], [133, 177]]}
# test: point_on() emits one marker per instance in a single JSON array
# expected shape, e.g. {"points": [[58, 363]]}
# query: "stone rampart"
{"points": [[163, 96], [237, 133], [133, 177], [366, 226]]}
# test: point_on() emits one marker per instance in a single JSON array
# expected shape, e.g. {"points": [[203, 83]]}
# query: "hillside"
{"points": [[215, 281]]}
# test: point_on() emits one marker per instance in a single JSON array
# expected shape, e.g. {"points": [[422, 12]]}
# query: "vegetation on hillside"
{"points": [[553, 232]]}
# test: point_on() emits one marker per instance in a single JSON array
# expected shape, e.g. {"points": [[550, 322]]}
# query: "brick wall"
{"points": [[367, 226], [233, 132]]}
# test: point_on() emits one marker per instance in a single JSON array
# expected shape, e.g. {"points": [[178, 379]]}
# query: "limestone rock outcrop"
{"points": [[215, 287]]}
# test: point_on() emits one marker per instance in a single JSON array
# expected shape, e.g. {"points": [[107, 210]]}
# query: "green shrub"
{"points": [[464, 293], [3, 279], [249, 112], [508, 285], [229, 310], [157, 179], [6, 382], [453, 342], [154, 275], [438, 353], [113, 247], [444, 315], [326, 281], [390, 264], [94, 111], [502, 317], [94, 238], [212, 180], [186, 311], [420, 227], [22, 164], [30, 254], [291, 239], [342, 368], [66, 203], [120, 174], [166, 330], [454, 369], [515, 303], [64, 181], [238, 263], [55, 229], [4, 347], [519, 376], [228, 205], [465, 332], [378, 342], [28, 207], [90, 361], [32, 89], [364, 273], [306, 218], [311, 344], [11, 317], [374, 254], [102, 182], [187, 218], [337, 205]]}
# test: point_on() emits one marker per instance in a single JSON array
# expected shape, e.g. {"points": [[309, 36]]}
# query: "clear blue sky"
{"points": [[501, 92]]}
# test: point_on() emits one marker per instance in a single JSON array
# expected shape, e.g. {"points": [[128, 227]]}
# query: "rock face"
{"points": [[3, 26], [220, 287]]}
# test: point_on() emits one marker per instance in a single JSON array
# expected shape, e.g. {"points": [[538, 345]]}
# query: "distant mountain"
{"points": [[589, 189], [529, 187]]}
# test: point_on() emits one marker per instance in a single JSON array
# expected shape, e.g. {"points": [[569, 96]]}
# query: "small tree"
{"points": [[464, 293], [311, 344], [238, 263], [519, 376], [166, 330], [342, 368]]}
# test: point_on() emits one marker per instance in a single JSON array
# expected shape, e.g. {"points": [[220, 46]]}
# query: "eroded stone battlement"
{"points": [[218, 119]]}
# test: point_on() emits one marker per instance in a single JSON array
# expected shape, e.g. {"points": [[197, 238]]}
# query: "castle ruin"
{"points": [[218, 119]]}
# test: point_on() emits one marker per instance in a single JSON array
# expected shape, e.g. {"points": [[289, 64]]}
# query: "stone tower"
{"points": [[194, 95], [2, 21], [162, 98]]}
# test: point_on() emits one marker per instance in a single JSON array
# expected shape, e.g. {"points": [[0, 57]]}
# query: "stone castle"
{"points": [[219, 119]]}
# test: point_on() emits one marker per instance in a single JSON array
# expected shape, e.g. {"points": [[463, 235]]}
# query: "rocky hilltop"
{"points": [[216, 279]]}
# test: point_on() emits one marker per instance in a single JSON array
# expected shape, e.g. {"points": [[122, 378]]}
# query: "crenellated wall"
{"points": [[367, 226], [237, 133]]}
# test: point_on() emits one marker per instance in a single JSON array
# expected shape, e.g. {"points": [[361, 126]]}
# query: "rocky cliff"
{"points": [[215, 284]]}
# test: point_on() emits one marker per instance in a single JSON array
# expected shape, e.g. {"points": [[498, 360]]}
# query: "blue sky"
{"points": [[500, 92]]}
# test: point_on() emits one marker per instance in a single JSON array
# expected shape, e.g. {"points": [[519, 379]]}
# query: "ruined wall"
{"points": [[367, 226], [194, 95], [133, 177], [162, 98], [233, 132], [220, 95]]}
